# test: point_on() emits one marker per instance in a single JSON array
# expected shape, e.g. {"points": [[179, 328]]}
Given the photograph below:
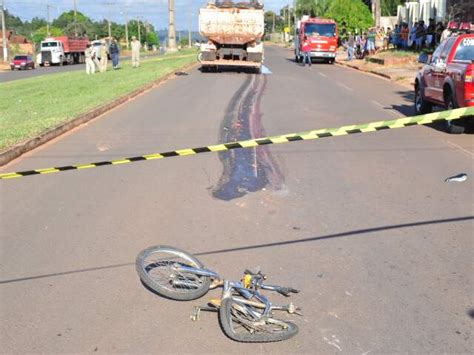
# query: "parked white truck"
{"points": [[62, 50], [234, 31]]}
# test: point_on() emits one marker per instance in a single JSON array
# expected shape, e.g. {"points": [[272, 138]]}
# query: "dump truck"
{"points": [[234, 32], [62, 50]]}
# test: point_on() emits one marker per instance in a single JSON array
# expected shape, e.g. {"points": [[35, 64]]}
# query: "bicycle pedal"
{"points": [[195, 316], [292, 309]]}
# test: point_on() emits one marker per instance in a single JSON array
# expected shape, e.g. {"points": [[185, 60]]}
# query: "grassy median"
{"points": [[28, 107]]}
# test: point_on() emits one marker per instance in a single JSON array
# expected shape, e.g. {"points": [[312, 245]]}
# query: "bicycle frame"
{"points": [[229, 286]]}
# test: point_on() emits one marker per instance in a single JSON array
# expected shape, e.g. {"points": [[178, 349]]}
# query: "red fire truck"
{"points": [[322, 36]]}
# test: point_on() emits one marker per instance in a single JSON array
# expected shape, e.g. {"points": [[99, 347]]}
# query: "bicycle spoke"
{"points": [[163, 271]]}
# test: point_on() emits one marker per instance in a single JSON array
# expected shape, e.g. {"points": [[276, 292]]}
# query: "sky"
{"points": [[153, 11]]}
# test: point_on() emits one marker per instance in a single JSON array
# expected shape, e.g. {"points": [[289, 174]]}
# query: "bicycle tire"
{"points": [[147, 265], [227, 325]]}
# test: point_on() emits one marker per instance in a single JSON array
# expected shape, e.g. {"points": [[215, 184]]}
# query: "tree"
{"points": [[312, 7], [12, 22], [41, 33], [268, 18], [152, 39], [389, 7], [351, 15], [67, 18]]}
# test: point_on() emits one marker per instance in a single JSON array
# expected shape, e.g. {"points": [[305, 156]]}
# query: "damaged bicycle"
{"points": [[245, 314]]}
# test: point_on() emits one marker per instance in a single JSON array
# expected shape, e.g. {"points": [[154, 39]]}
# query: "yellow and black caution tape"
{"points": [[292, 137]]}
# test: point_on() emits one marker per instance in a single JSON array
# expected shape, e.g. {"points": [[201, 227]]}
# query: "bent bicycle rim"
{"points": [[239, 322], [156, 267]]}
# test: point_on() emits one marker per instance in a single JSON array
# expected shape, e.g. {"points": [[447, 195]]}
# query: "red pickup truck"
{"points": [[447, 79]]}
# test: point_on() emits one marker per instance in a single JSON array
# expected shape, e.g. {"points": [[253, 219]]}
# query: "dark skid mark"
{"points": [[251, 169]]}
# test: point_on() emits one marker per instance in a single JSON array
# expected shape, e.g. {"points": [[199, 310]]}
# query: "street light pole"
{"points": [[75, 18], [109, 4], [171, 28], [189, 26], [47, 21], [139, 32], [4, 35], [126, 28]]}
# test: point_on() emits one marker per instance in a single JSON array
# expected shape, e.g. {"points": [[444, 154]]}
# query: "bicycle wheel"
{"points": [[239, 322], [156, 268]]}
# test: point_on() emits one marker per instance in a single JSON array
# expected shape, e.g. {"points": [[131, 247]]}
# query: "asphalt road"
{"points": [[380, 246], [10, 75]]}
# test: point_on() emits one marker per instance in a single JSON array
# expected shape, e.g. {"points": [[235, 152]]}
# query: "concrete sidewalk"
{"points": [[404, 74]]}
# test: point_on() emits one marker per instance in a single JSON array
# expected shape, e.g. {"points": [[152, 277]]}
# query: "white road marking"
{"points": [[345, 86], [461, 149], [323, 75], [378, 104]]}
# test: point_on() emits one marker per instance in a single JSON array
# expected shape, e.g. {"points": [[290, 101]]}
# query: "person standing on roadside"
{"points": [[306, 51], [136, 45], [114, 53], [96, 56], [104, 52], [89, 54], [350, 46]]}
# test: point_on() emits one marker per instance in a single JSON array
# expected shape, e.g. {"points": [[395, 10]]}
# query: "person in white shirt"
{"points": [[136, 45]]}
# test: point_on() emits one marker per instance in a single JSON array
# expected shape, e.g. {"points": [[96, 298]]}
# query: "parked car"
{"points": [[447, 79], [22, 62]]}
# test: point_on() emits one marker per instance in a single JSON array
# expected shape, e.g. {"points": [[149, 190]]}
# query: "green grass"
{"points": [[31, 106]]}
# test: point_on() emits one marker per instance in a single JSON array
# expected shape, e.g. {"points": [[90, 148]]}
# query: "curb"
{"points": [[21, 148], [386, 76]]}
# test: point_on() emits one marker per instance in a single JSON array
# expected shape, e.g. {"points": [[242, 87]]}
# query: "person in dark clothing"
{"points": [[430, 33], [114, 53], [439, 31], [420, 35]]}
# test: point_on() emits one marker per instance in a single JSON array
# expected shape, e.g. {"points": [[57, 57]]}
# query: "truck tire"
{"points": [[450, 104], [61, 61]]}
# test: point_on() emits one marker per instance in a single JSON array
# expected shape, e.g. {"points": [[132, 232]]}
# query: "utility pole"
{"points": [[289, 17], [145, 30], [171, 28], [294, 13], [109, 5], [273, 26], [75, 18], [189, 26], [4, 35], [48, 33], [126, 27], [376, 11], [139, 32]]}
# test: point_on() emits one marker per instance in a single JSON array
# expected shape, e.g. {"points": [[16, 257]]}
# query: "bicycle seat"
{"points": [[285, 291]]}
